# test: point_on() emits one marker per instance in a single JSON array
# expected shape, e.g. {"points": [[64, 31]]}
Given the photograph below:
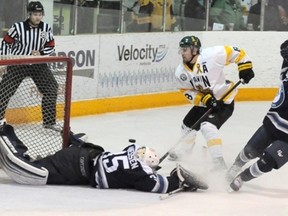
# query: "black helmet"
{"points": [[190, 41], [35, 6]]}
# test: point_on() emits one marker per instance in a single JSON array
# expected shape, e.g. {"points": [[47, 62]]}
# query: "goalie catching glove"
{"points": [[210, 101], [245, 71], [187, 180]]}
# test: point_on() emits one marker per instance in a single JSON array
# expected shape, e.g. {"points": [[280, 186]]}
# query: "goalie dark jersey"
{"points": [[124, 170], [85, 163], [276, 120]]}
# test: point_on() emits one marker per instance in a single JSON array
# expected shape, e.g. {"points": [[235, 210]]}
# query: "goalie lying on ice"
{"points": [[84, 163]]}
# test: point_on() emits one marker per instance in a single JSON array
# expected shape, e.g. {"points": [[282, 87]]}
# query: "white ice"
{"points": [[160, 129]]}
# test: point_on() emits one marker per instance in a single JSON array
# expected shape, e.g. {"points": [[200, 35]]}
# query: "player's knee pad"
{"points": [[278, 150], [266, 163], [211, 134]]}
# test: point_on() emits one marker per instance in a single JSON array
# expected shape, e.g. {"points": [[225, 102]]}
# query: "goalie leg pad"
{"points": [[8, 131], [19, 169]]}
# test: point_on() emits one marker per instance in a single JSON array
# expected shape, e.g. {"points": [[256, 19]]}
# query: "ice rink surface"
{"points": [[158, 128]]}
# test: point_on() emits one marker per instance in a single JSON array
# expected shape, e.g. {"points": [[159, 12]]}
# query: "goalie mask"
{"points": [[148, 156]]}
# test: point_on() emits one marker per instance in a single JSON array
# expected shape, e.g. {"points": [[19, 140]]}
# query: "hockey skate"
{"points": [[52, 130], [186, 144], [82, 136], [177, 155], [54, 127], [219, 165], [232, 172], [182, 150], [77, 139], [236, 184]]}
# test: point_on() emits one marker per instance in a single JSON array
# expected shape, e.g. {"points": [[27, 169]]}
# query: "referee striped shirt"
{"points": [[22, 39]]}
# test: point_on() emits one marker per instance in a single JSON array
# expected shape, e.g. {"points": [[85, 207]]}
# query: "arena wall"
{"points": [[117, 72]]}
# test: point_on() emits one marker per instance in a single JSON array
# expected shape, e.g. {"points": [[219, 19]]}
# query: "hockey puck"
{"points": [[132, 140]]}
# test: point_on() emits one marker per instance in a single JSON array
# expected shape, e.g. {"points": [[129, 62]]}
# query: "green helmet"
{"points": [[190, 41]]}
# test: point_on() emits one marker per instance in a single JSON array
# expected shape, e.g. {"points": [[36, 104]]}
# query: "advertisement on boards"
{"points": [[84, 52], [138, 63]]}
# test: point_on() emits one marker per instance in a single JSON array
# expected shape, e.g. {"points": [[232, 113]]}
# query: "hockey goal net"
{"points": [[35, 98]]}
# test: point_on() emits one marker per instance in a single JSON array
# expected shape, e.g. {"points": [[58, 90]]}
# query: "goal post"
{"points": [[37, 92]]}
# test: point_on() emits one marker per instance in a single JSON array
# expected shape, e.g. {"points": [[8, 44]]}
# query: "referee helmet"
{"points": [[35, 6]]}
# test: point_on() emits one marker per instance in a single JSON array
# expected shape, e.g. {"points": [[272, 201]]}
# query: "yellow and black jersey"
{"points": [[207, 75]]}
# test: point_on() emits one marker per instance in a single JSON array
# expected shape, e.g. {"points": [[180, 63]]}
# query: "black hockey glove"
{"points": [[245, 71], [187, 180], [182, 184], [284, 50], [210, 101]]}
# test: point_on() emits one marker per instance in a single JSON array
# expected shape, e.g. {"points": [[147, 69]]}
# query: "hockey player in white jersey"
{"points": [[85, 163], [270, 142], [203, 82]]}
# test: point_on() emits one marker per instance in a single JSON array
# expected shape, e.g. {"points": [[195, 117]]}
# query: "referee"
{"points": [[30, 37]]}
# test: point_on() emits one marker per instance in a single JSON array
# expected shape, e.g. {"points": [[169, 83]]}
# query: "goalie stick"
{"points": [[200, 120], [171, 193]]}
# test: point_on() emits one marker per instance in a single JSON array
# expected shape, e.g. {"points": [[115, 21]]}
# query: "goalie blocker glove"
{"points": [[15, 163], [188, 181], [210, 101], [245, 71]]}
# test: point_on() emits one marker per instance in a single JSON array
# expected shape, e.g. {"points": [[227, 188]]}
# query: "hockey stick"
{"points": [[199, 121], [167, 195]]}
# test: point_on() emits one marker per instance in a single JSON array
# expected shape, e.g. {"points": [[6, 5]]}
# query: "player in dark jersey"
{"points": [[270, 142], [84, 163], [30, 37]]}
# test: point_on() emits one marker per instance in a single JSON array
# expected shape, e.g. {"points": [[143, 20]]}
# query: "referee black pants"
{"points": [[43, 79]]}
